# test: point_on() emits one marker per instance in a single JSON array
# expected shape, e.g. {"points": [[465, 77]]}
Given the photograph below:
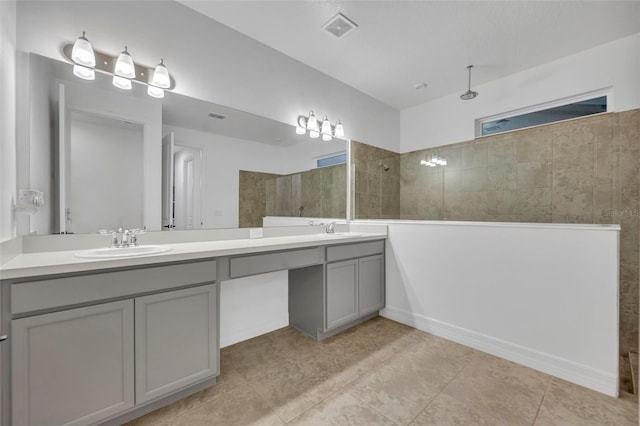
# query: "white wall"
{"points": [[223, 157], [208, 60], [7, 119], [105, 175], [545, 296], [449, 119]]}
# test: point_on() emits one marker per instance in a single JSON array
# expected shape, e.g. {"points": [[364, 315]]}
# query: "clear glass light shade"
{"points": [[124, 65], [84, 73], [161, 77], [314, 134], [339, 130], [121, 82], [82, 53], [312, 123], [155, 92], [300, 130]]}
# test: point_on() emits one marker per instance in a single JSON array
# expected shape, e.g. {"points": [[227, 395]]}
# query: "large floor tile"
{"points": [[566, 404], [447, 411], [509, 392], [403, 385], [341, 409], [292, 387], [241, 406]]}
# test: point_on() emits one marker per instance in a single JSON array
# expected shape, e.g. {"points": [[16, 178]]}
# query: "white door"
{"points": [[167, 182], [188, 187]]}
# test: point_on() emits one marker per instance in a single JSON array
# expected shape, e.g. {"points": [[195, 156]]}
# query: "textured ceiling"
{"points": [[401, 43]]}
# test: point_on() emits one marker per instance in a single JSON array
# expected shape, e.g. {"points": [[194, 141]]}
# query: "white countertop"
{"points": [[61, 262]]}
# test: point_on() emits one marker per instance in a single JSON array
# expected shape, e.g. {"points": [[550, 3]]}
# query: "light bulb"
{"points": [[423, 162], [124, 65], [82, 53], [300, 130], [155, 92], [314, 134], [312, 123], [161, 77], [339, 130], [444, 162], [326, 137], [84, 73], [121, 82]]}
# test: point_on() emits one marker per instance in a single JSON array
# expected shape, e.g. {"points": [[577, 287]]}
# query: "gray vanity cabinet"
{"points": [[73, 367], [176, 340], [354, 289], [370, 284], [347, 290], [342, 292]]}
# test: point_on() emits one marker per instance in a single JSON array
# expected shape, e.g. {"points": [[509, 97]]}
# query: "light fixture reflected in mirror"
{"points": [[325, 129], [155, 92], [84, 73], [121, 82], [433, 161]]}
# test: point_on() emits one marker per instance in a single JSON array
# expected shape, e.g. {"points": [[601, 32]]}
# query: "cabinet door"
{"points": [[176, 340], [73, 367], [342, 292], [370, 284]]}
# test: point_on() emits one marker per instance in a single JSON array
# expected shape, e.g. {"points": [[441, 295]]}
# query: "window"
{"points": [[580, 108], [332, 161]]}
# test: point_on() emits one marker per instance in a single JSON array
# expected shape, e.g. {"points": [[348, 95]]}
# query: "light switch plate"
{"points": [[255, 233]]}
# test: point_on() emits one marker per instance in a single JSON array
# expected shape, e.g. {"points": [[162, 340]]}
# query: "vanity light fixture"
{"points": [[433, 161], [86, 62], [325, 129], [84, 59]]}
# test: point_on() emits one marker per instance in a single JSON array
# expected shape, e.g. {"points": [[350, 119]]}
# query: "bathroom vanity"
{"points": [[104, 341]]}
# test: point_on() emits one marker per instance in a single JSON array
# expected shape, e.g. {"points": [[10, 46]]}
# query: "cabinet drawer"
{"points": [[269, 262], [350, 251], [58, 292]]}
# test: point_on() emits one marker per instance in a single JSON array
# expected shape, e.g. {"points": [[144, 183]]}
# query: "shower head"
{"points": [[469, 94]]}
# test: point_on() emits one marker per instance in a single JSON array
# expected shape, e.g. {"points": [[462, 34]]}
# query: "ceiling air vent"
{"points": [[217, 115], [339, 26]]}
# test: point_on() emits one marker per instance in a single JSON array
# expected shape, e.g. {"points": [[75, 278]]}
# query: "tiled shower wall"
{"points": [[313, 193], [580, 171]]}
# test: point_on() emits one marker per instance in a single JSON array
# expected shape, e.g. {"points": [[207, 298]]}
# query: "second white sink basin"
{"points": [[108, 252], [342, 234]]}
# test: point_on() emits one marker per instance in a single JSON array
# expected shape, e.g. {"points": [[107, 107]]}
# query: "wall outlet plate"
{"points": [[255, 233]]}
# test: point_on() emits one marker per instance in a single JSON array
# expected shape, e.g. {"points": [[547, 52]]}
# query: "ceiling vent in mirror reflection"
{"points": [[86, 61], [217, 115], [316, 128]]}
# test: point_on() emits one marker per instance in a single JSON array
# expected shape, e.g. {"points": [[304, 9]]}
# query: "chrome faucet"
{"points": [[330, 228], [124, 237]]}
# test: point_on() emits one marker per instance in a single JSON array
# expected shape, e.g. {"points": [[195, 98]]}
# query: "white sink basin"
{"points": [[108, 252], [343, 234]]}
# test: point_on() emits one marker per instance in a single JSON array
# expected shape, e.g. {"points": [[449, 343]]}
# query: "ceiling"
{"points": [[399, 44]]}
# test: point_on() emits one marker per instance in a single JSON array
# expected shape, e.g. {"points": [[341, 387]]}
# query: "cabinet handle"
{"points": [[3, 338]]}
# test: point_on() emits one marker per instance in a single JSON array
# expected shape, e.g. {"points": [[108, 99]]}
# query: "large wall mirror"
{"points": [[107, 158]]}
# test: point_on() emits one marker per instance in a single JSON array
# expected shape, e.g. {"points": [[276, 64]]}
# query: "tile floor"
{"points": [[383, 373]]}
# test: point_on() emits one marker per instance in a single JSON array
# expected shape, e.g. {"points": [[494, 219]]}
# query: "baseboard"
{"points": [[579, 374], [248, 333]]}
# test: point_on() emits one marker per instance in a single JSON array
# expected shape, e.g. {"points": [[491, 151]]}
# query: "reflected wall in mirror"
{"points": [[98, 194], [199, 184]]}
